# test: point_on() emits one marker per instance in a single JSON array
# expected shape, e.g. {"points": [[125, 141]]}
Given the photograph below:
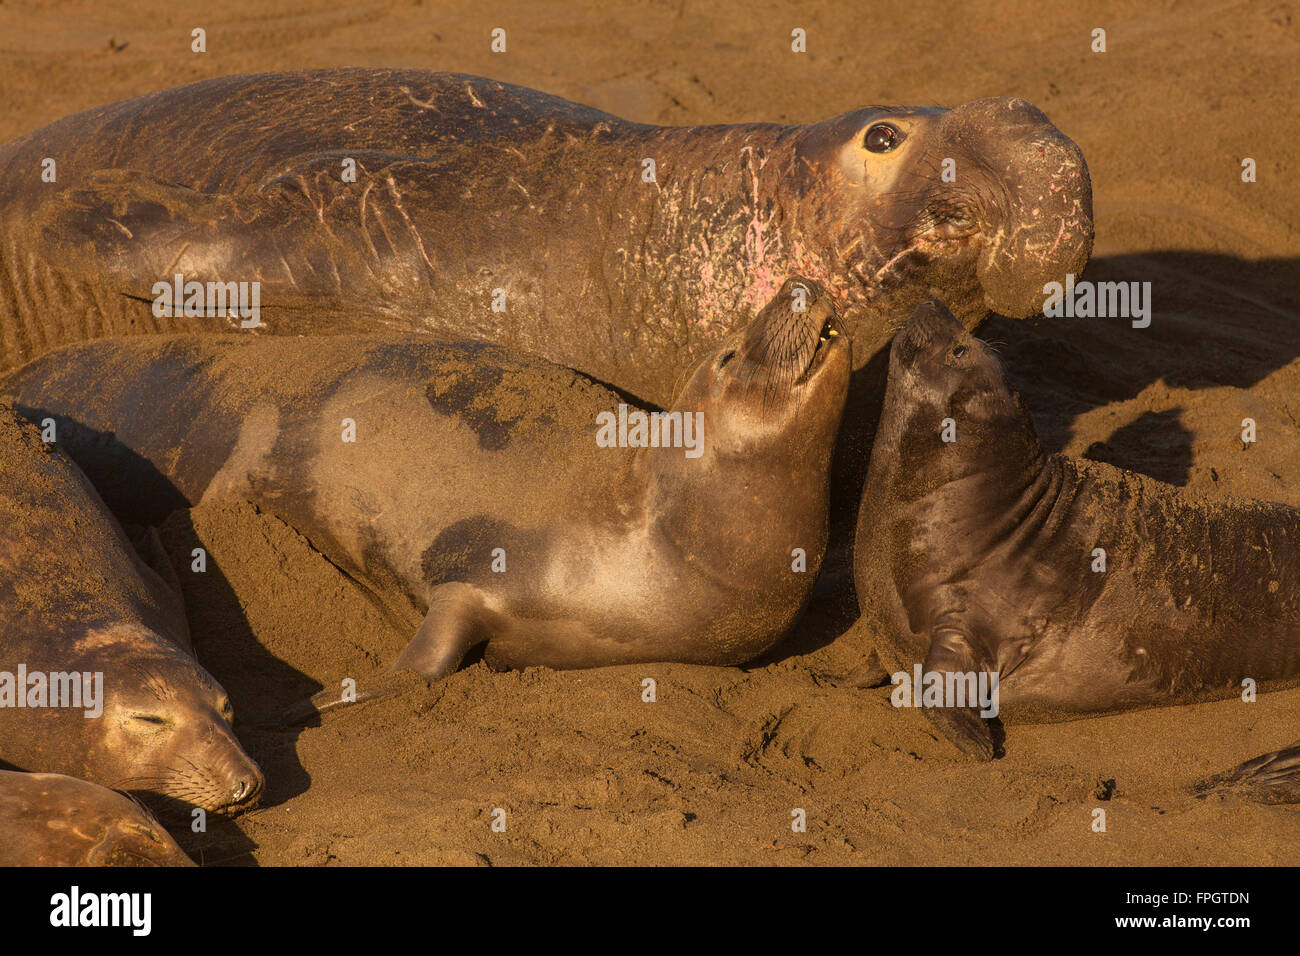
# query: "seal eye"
{"points": [[149, 719], [959, 351], [726, 358], [881, 138]]}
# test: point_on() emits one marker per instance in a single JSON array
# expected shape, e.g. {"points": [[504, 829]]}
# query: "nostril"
{"points": [[247, 789]]}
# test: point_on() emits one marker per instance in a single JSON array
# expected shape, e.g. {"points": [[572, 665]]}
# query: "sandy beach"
{"points": [[711, 772]]}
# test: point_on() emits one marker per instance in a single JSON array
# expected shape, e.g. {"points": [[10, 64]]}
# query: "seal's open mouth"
{"points": [[831, 336], [789, 342]]}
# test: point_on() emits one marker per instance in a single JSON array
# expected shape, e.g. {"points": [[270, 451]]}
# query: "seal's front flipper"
{"points": [[956, 657], [1272, 778], [148, 544], [458, 619], [965, 729], [386, 683], [155, 566]]}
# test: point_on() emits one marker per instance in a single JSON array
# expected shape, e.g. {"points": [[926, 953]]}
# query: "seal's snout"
{"points": [[247, 790], [796, 321], [1008, 113], [244, 783], [932, 321], [793, 341], [795, 332], [803, 297], [931, 328], [1036, 226]]}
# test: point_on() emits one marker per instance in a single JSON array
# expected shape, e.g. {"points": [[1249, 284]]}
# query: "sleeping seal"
{"points": [[96, 679], [1084, 588], [362, 199], [47, 819], [510, 501]]}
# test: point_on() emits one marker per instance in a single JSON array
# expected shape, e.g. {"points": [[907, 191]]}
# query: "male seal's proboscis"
{"points": [[48, 819], [476, 490], [980, 554], [77, 601], [500, 213]]}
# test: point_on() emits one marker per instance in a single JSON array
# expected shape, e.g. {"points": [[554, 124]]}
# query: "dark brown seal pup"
{"points": [[465, 186], [977, 555], [47, 819], [75, 599], [477, 488]]}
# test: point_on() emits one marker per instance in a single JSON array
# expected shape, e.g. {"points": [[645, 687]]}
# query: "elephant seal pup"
{"points": [[362, 199], [47, 819], [95, 677], [494, 493], [979, 555]]}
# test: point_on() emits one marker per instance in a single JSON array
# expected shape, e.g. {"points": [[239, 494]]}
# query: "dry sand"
{"points": [[710, 772]]}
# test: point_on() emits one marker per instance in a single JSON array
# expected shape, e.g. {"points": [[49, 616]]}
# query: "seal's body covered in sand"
{"points": [[478, 486], [423, 201], [96, 676], [48, 819], [1084, 587]]}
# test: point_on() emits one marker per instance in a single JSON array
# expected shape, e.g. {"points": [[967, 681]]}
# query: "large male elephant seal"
{"points": [[47, 819], [503, 497], [96, 680], [435, 201], [1085, 588]]}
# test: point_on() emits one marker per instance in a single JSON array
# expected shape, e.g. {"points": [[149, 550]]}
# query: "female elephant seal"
{"points": [[503, 496], [95, 677], [435, 201], [47, 819], [980, 555]]}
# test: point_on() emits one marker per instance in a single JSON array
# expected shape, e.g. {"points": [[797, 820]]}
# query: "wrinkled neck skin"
{"points": [[757, 203], [736, 212], [938, 511], [997, 466], [720, 203]]}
